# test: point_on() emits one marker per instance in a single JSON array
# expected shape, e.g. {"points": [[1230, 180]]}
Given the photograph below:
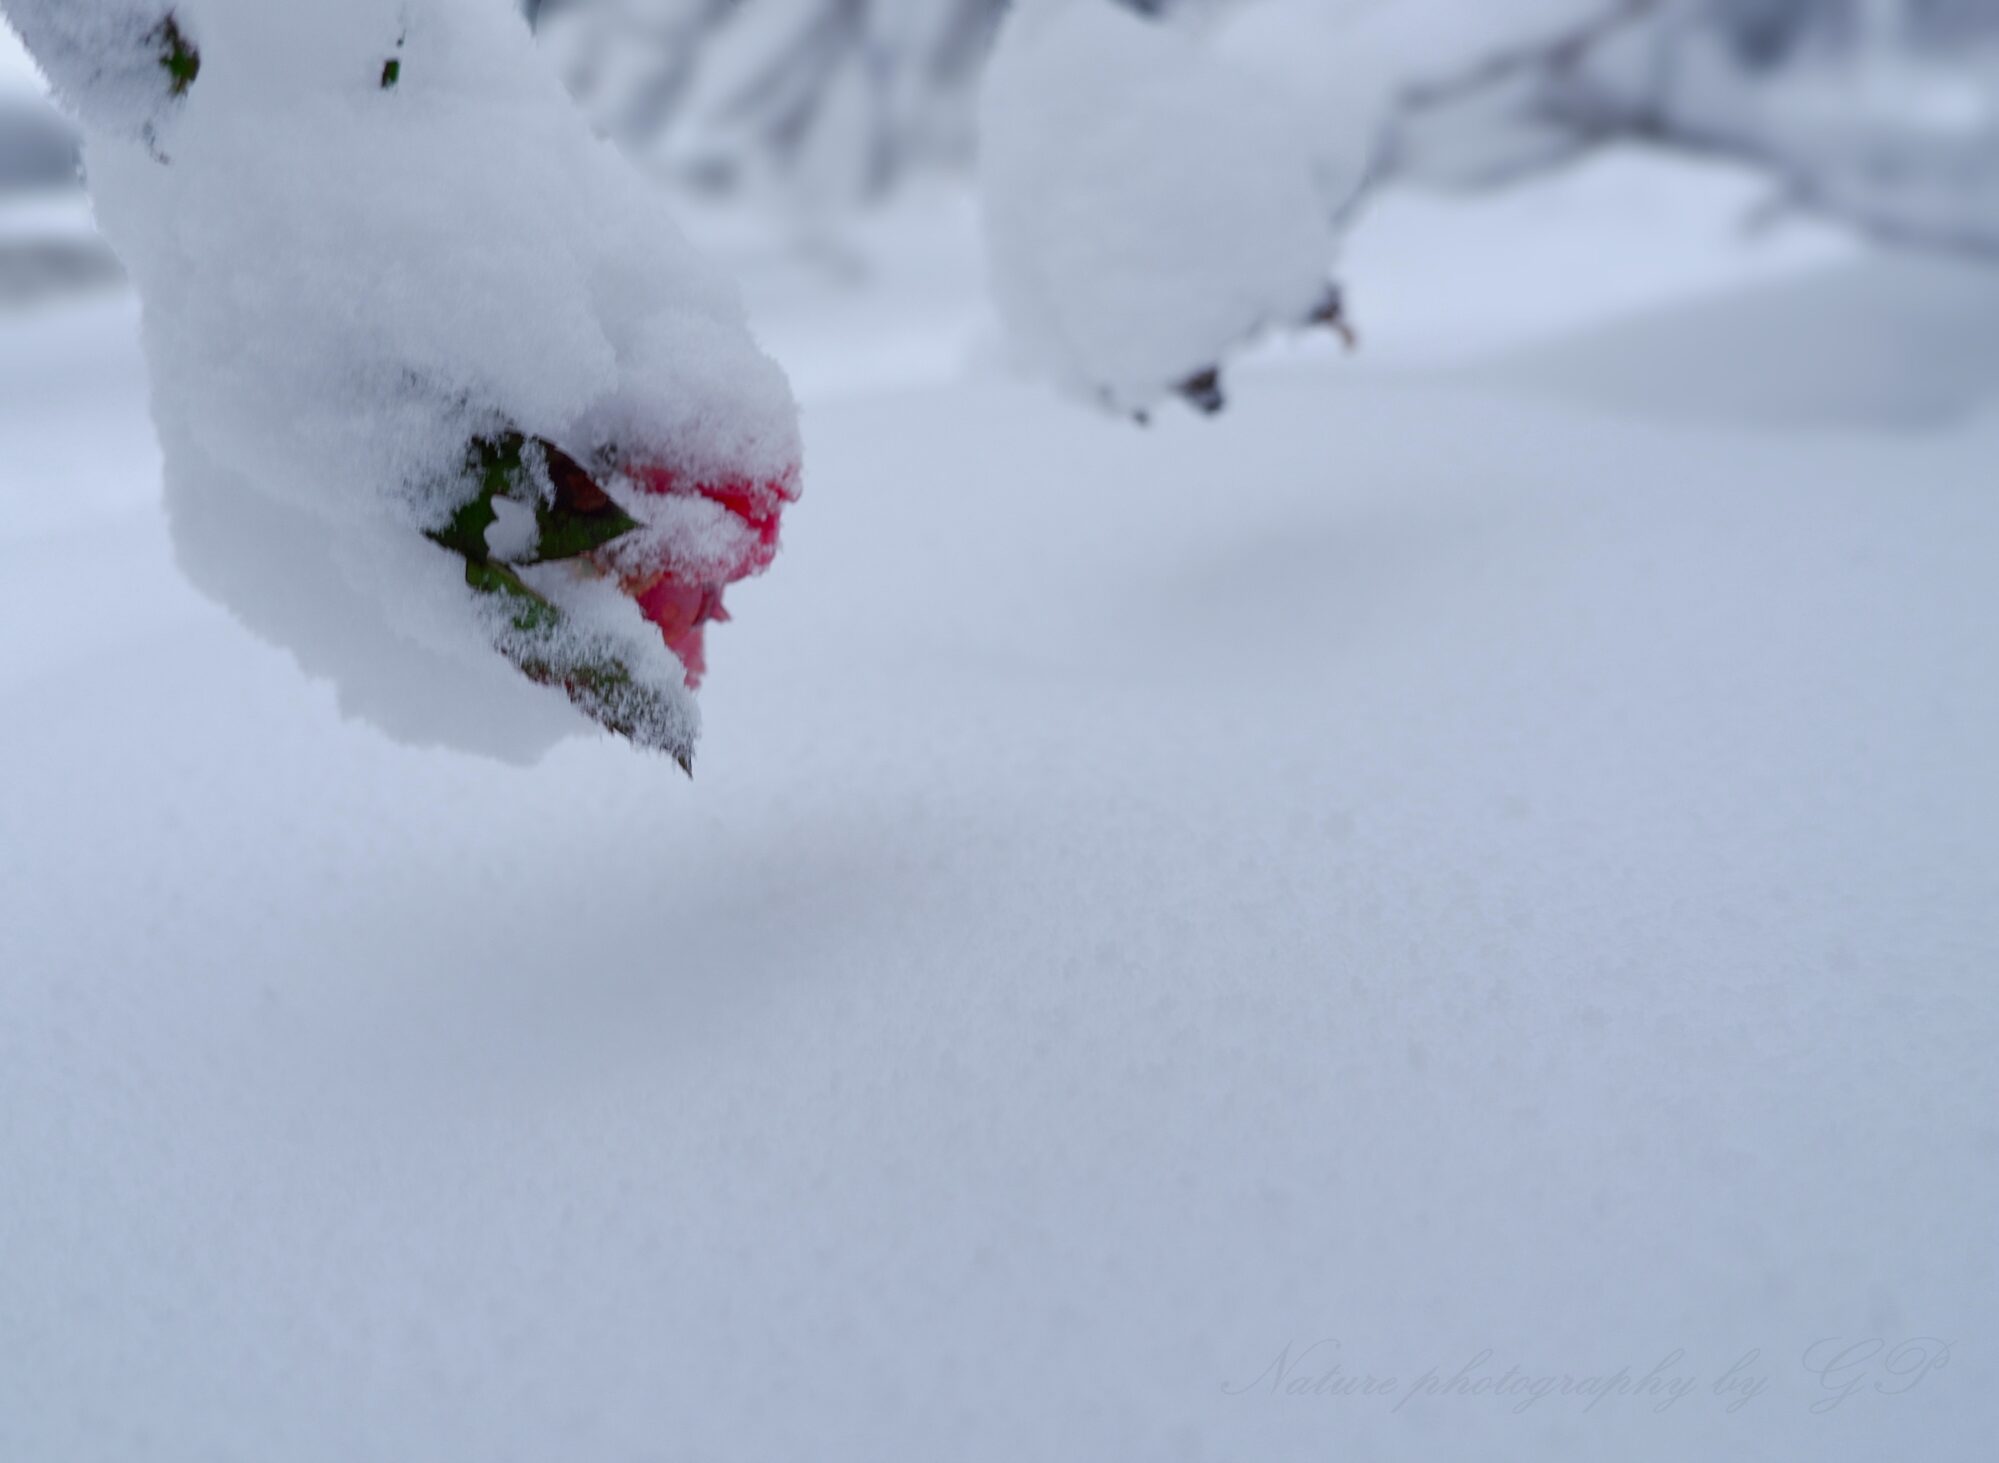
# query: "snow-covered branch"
{"points": [[119, 65], [827, 102], [482, 465], [1870, 123], [1884, 113]]}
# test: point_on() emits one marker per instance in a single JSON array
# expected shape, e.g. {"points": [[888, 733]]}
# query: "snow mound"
{"points": [[375, 242], [1147, 208]]}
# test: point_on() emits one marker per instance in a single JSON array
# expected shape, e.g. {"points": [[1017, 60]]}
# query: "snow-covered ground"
{"points": [[1480, 865]]}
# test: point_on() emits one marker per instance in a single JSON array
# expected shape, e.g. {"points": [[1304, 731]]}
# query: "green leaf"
{"points": [[579, 516], [597, 682], [496, 461], [527, 611], [181, 61], [465, 535], [567, 533], [535, 640], [578, 519]]}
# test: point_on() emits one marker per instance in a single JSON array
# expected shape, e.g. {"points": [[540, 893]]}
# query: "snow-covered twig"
{"points": [[119, 65]]}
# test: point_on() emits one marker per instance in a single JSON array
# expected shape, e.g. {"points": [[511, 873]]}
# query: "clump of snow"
{"points": [[1147, 208], [103, 58], [350, 272]]}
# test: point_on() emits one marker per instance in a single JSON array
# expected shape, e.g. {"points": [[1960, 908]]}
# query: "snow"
{"points": [[1906, 139], [1485, 846], [346, 284], [18, 73], [813, 107], [104, 60], [1347, 65], [1148, 209], [37, 146]]}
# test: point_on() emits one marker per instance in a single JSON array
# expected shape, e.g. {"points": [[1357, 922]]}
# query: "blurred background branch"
{"points": [[1882, 112], [823, 102]]}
